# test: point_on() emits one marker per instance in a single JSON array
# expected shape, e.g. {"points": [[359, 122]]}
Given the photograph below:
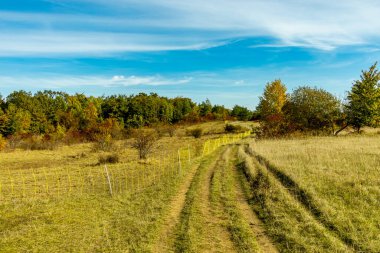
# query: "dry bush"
{"points": [[38, 142], [73, 137], [113, 158], [3, 143], [196, 132], [14, 141], [144, 141], [103, 143], [171, 130], [229, 128], [168, 130]]}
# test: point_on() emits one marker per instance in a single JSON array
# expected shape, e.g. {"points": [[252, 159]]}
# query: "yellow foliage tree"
{"points": [[273, 99]]}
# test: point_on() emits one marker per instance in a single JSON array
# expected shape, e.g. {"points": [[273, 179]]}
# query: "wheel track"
{"points": [[265, 243], [200, 230], [165, 240], [304, 199]]}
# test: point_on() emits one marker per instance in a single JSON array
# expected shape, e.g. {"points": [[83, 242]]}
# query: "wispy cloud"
{"points": [[164, 25], [91, 43], [59, 82]]}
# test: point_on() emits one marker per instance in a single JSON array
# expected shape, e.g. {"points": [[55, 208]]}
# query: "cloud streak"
{"points": [[166, 25], [96, 81]]}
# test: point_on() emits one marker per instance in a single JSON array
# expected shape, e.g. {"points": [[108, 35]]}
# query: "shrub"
{"points": [[171, 130], [38, 142], [196, 133], [229, 128], [113, 158], [144, 142], [3, 143], [166, 130], [14, 141], [103, 143]]}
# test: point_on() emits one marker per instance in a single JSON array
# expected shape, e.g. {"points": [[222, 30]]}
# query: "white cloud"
{"points": [[147, 80], [314, 23], [58, 82], [162, 25], [91, 43]]}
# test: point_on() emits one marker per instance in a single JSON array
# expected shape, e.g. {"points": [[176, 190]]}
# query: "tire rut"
{"points": [[221, 239], [165, 240], [265, 243], [305, 200], [199, 229]]}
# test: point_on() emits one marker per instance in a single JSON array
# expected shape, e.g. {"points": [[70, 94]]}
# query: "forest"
{"points": [[50, 116]]}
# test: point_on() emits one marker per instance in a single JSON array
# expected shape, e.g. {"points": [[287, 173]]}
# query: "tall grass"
{"points": [[341, 176], [290, 225]]}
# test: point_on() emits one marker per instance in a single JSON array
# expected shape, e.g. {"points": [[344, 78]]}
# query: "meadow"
{"points": [[218, 193], [336, 179]]}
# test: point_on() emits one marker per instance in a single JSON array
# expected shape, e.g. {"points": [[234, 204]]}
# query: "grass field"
{"points": [[316, 194], [338, 178]]}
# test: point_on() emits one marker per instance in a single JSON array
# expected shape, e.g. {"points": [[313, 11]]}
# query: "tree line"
{"points": [[57, 114], [50, 116], [314, 110]]}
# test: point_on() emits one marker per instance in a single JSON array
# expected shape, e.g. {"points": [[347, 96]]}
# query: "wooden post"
{"points": [[188, 149], [108, 179], [35, 184], [179, 162]]}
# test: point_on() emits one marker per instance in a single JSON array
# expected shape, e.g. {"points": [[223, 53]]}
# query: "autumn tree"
{"points": [[363, 108], [273, 99], [269, 110]]}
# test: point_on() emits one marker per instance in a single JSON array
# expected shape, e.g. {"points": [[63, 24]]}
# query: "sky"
{"points": [[224, 50]]}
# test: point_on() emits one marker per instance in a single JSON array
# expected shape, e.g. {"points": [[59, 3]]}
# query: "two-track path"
{"points": [[207, 222]]}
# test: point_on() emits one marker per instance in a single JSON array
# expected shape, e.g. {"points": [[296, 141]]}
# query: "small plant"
{"points": [[113, 158], [196, 133]]}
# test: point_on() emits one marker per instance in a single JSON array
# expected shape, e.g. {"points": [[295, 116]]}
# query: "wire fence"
{"points": [[106, 179]]}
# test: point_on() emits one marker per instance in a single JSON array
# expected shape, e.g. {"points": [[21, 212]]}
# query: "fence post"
{"points": [[179, 162], [188, 149], [108, 179]]}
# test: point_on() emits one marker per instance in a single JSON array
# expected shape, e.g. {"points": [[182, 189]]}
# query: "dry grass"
{"points": [[342, 178], [290, 225], [59, 200]]}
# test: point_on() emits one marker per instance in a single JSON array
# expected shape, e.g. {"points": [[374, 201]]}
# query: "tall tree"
{"points": [[363, 108], [312, 109], [273, 99]]}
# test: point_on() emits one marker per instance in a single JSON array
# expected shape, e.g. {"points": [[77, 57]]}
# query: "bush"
{"points": [[229, 128], [3, 143], [196, 133], [144, 142], [103, 143], [113, 158], [166, 130], [38, 142], [171, 130]]}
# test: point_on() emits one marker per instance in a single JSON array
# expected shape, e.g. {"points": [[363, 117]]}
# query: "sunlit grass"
{"points": [[342, 176]]}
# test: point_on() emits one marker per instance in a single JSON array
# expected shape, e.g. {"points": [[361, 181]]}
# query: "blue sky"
{"points": [[224, 50]]}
